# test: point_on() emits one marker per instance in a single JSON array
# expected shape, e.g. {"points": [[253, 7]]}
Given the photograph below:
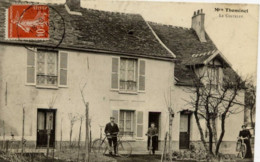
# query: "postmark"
{"points": [[28, 22]]}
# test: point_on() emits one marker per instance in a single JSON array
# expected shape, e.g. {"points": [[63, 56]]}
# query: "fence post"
{"points": [[6, 146], [23, 131]]}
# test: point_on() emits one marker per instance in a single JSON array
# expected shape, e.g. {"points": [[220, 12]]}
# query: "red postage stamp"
{"points": [[29, 22]]}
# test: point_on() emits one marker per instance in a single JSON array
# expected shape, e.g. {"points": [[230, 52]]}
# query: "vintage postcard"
{"points": [[122, 81]]}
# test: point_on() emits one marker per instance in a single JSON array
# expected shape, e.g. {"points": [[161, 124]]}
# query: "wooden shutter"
{"points": [[63, 69], [139, 124], [115, 115], [141, 83], [115, 73], [31, 76]]}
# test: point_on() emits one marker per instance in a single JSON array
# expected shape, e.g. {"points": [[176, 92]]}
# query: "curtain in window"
{"points": [[122, 73], [47, 68], [128, 122], [131, 75], [128, 79], [40, 67], [49, 120], [121, 124]]}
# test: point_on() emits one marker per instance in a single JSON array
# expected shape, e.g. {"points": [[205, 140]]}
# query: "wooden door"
{"points": [[184, 131], [45, 124]]}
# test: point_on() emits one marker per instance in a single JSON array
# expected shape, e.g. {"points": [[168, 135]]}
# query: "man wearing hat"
{"points": [[111, 131]]}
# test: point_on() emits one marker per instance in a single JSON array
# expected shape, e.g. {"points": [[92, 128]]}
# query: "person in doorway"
{"points": [[111, 131], [244, 133], [152, 134]]}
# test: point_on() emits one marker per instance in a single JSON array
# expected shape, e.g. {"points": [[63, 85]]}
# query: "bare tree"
{"points": [[81, 117], [214, 99], [87, 122], [171, 115], [250, 101], [73, 118]]}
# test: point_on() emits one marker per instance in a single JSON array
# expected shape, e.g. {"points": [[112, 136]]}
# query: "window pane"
{"points": [[122, 69], [40, 62], [40, 120], [49, 120], [128, 115], [123, 84], [40, 79], [52, 63], [128, 125]]}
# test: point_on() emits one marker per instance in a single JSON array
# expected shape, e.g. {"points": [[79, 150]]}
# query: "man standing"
{"points": [[111, 131], [152, 134]]}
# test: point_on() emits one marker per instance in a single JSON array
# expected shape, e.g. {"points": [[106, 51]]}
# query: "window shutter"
{"points": [[115, 115], [63, 69], [141, 75], [31, 77], [115, 73], [139, 125]]}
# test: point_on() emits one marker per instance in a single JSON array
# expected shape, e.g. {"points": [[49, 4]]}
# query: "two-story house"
{"points": [[125, 66]]}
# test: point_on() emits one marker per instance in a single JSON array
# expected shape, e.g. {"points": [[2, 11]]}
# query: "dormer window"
{"points": [[214, 74]]}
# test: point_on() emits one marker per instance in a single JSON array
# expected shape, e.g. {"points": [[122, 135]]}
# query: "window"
{"points": [[128, 74], [126, 122], [47, 68], [213, 77]]}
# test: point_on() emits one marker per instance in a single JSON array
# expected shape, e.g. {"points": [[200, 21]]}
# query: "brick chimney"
{"points": [[197, 24], [74, 5]]}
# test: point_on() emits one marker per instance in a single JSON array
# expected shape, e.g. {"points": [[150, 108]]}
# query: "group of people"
{"points": [[112, 131]]}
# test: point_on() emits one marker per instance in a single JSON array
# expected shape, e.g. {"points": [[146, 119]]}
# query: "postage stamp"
{"points": [[29, 22]]}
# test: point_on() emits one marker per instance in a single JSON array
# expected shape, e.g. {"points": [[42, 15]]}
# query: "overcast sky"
{"points": [[236, 38]]}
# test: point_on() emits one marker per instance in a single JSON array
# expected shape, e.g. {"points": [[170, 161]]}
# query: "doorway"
{"points": [[154, 117], [46, 124], [184, 141]]}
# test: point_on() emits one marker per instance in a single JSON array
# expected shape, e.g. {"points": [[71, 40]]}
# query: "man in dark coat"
{"points": [[246, 134], [111, 131]]}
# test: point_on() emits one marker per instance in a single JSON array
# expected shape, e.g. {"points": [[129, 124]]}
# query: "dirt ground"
{"points": [[156, 158]]}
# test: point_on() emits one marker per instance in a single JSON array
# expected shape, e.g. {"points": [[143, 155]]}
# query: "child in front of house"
{"points": [[152, 134]]}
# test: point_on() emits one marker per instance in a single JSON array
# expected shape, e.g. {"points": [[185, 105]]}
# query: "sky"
{"points": [[236, 38]]}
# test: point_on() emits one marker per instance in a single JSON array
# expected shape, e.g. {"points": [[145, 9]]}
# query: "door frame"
{"points": [[54, 124], [189, 113], [158, 126]]}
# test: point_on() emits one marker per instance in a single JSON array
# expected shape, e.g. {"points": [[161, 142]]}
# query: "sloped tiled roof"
{"points": [[188, 50], [126, 34]]}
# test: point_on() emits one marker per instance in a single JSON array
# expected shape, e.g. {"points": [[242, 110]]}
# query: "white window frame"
{"points": [[132, 120], [47, 86]]}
